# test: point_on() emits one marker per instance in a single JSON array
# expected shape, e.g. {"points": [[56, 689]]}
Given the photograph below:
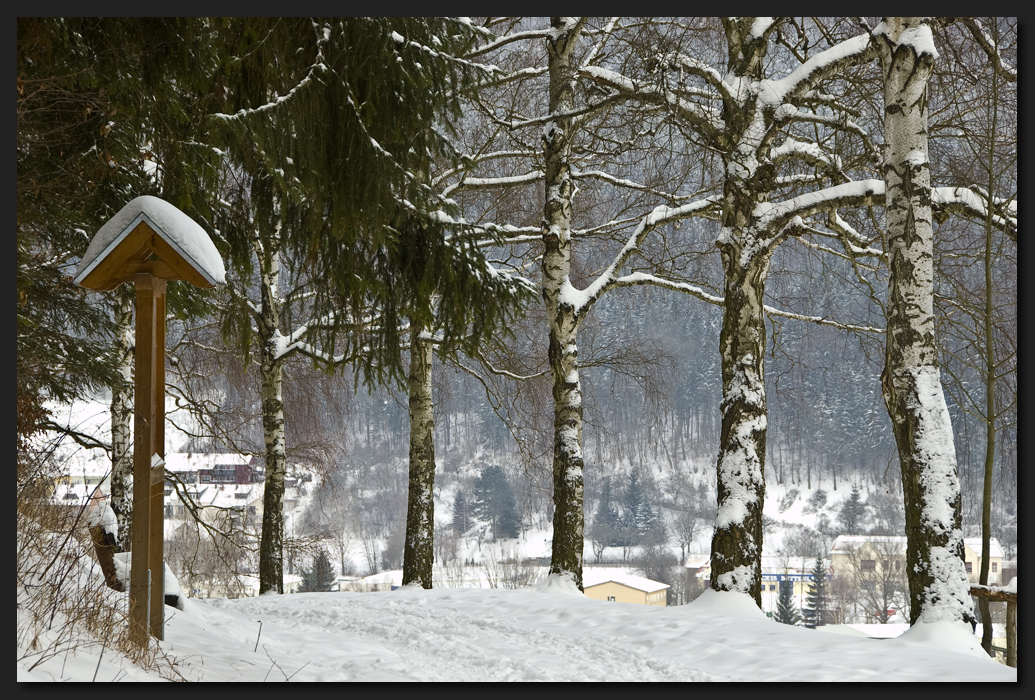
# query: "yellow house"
{"points": [[879, 552], [797, 570], [623, 588], [972, 557]]}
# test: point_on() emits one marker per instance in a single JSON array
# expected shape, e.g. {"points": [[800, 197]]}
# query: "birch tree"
{"points": [[566, 305], [938, 586], [785, 174], [976, 314]]}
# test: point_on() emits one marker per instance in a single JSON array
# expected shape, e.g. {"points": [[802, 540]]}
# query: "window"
{"points": [[869, 564], [970, 567], [995, 567], [611, 598], [772, 586]]}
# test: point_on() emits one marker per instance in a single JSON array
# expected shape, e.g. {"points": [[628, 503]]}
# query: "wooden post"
{"points": [[1010, 598], [1011, 632], [143, 448], [148, 255], [156, 478]]}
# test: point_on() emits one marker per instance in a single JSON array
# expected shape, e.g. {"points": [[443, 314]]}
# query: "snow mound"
{"points": [[943, 634], [729, 603], [558, 583]]}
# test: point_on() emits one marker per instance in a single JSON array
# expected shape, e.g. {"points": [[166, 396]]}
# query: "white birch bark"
{"points": [[121, 417], [271, 369], [938, 586], [418, 551], [569, 519]]}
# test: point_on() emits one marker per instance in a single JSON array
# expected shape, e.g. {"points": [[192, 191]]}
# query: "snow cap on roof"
{"points": [[176, 228], [591, 578]]}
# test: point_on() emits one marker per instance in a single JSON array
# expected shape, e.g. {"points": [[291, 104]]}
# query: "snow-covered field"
{"points": [[547, 633]]}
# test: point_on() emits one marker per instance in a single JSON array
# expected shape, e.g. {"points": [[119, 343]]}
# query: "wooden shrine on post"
{"points": [[149, 243]]}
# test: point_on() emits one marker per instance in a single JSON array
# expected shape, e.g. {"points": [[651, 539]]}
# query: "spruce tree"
{"points": [[815, 600], [853, 512], [786, 612], [320, 577], [605, 531], [461, 513], [494, 501]]}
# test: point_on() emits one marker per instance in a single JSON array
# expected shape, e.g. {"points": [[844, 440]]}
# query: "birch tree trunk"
{"points": [[911, 382], [418, 551], [568, 519], [271, 368], [736, 555], [121, 417]]}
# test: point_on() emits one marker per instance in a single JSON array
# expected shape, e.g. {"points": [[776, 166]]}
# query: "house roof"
{"points": [[592, 578], [696, 561], [994, 549], [845, 543], [192, 461]]}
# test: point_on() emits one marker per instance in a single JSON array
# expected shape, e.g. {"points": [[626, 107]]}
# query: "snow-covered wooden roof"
{"points": [[150, 235]]}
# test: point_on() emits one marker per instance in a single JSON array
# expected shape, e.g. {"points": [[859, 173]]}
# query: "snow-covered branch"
{"points": [[966, 202], [989, 46], [582, 300], [819, 67], [706, 121]]}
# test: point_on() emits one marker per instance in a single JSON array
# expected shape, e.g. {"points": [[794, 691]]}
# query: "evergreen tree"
{"points": [[461, 513], [494, 501], [320, 577], [853, 512], [640, 522], [606, 528], [815, 601], [786, 612]]}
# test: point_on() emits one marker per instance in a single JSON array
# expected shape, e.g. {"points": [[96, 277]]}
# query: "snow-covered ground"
{"points": [[546, 633]]}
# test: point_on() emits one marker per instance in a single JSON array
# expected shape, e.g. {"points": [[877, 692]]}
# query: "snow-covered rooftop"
{"points": [[595, 577], [846, 543], [177, 229]]}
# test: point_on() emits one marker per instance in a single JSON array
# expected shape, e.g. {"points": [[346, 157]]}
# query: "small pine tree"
{"points": [[786, 612], [461, 513], [605, 528], [494, 501], [853, 512], [815, 600], [319, 578]]}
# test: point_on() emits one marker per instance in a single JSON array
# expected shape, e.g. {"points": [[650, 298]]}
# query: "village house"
{"points": [[869, 553], [623, 588], [775, 568]]}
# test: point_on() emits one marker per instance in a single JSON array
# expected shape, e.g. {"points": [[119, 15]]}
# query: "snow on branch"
{"points": [[604, 35], [483, 182], [509, 38], [967, 202], [985, 42], [619, 182], [821, 66], [856, 194], [689, 64], [641, 278], [582, 300], [318, 67], [709, 122], [471, 160]]}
